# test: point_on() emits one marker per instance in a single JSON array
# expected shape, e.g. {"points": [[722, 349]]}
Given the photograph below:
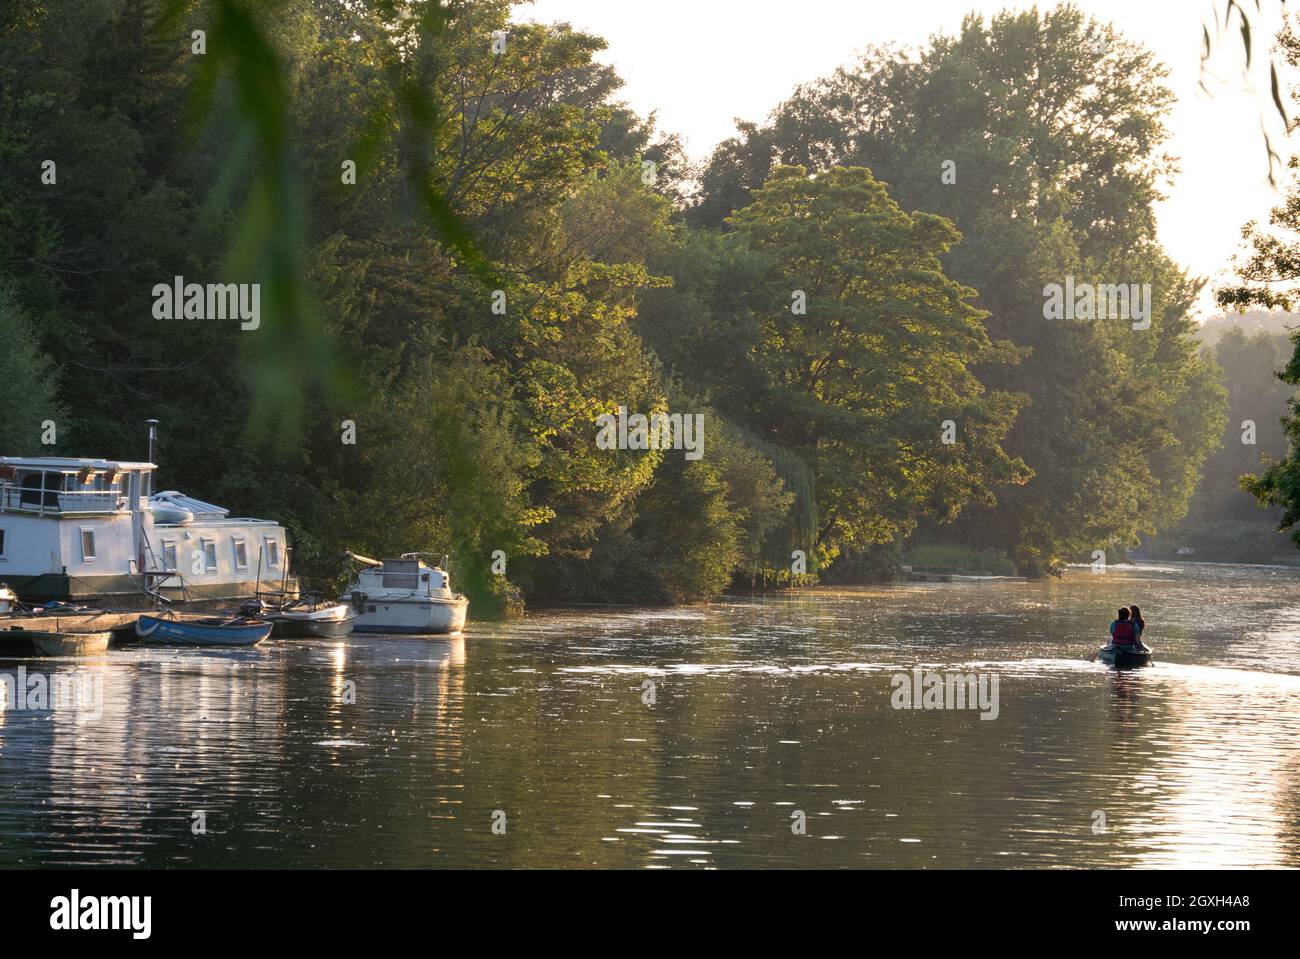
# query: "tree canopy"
{"points": [[472, 251], [1038, 135]]}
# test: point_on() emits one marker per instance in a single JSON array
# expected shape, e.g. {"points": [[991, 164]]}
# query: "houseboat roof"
{"points": [[196, 506], [72, 463], [187, 510]]}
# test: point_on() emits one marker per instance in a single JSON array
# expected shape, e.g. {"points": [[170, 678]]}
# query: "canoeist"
{"points": [[1135, 614], [1123, 631]]}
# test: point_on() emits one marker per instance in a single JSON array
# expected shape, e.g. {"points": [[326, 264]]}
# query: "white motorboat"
{"points": [[303, 617], [405, 596]]}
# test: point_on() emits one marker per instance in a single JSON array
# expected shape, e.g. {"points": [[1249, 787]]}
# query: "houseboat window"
{"points": [[34, 491], [2, 542], [272, 552], [241, 554], [87, 544], [210, 555], [169, 554]]}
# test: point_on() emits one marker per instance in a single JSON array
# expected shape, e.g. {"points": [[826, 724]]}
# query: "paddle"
{"points": [[1093, 657]]}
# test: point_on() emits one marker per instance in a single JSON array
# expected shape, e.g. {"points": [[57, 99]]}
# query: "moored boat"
{"points": [[207, 631], [405, 596], [1121, 656], [52, 629], [94, 531], [299, 618], [45, 642]]}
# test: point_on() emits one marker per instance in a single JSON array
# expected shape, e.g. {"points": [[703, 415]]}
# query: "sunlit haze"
{"points": [[748, 56]]}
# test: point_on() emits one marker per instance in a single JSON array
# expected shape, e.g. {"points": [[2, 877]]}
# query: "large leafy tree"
{"points": [[565, 230], [1038, 135], [862, 347]]}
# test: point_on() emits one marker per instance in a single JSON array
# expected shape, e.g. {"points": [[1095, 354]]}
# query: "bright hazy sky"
{"points": [[702, 63]]}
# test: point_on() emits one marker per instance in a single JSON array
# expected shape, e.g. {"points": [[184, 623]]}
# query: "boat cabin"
{"points": [[408, 574], [405, 596], [90, 529]]}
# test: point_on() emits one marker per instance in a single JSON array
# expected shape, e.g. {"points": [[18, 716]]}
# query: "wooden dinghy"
{"points": [[207, 631], [58, 629], [47, 642]]}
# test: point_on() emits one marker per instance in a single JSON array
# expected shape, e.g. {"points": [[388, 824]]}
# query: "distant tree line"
{"points": [[1224, 523], [1269, 278]]}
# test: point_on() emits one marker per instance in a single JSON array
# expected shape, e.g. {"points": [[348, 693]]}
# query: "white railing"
{"points": [[25, 499]]}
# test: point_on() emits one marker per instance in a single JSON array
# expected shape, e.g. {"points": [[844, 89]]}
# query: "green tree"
{"points": [[28, 381], [1042, 146], [863, 352]]}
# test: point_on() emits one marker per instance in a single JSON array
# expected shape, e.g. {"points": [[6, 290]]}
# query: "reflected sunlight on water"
{"points": [[698, 737]]}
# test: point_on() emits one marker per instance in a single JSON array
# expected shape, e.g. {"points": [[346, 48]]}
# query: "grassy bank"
{"points": [[985, 562]]}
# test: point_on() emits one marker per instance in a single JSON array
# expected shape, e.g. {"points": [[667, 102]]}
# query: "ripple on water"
{"points": [[763, 710]]}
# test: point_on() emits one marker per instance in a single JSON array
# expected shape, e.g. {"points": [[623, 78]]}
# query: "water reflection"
{"points": [[765, 714]]}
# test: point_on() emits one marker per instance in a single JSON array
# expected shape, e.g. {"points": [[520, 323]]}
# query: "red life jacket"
{"points": [[1125, 633]]}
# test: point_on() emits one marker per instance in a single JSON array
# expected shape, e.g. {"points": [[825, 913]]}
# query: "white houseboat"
{"points": [[92, 530], [405, 596]]}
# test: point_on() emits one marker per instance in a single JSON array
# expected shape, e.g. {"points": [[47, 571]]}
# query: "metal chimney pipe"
{"points": [[153, 439]]}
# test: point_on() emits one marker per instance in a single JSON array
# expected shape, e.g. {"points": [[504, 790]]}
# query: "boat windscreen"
{"points": [[401, 574]]}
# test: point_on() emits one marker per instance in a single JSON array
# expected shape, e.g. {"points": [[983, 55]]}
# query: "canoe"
{"points": [[1118, 656], [212, 631], [45, 642]]}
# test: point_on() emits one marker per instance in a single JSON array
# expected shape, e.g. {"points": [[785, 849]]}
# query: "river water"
{"points": [[749, 733]]}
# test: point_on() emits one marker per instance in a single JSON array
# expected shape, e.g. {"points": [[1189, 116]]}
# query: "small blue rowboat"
{"points": [[213, 631]]}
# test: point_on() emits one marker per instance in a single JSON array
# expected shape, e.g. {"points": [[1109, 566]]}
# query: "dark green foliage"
{"points": [[27, 380]]}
